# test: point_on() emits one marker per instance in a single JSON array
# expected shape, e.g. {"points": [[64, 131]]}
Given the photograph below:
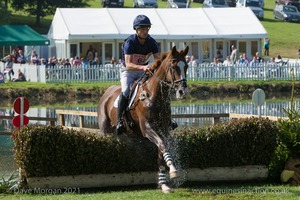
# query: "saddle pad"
{"points": [[131, 98]]}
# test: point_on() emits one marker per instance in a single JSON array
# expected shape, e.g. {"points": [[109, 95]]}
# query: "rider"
{"points": [[136, 50]]}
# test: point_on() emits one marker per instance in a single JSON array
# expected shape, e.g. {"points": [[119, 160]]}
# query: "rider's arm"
{"points": [[131, 66]]}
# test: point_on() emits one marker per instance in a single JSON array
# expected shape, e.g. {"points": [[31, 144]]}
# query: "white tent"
{"points": [[192, 23], [81, 25]]}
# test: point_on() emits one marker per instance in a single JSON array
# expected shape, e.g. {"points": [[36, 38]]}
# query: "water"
{"points": [[7, 163]]}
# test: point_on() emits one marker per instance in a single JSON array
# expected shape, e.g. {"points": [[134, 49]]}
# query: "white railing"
{"points": [[205, 72]]}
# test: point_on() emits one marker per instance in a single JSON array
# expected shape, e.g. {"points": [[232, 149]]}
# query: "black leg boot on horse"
{"points": [[121, 126]]}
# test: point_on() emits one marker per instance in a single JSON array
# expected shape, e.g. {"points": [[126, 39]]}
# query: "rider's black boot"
{"points": [[173, 124], [121, 126]]}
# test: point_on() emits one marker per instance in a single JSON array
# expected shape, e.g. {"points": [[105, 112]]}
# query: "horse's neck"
{"points": [[158, 84]]}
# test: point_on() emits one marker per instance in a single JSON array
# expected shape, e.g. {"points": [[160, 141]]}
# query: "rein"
{"points": [[168, 83]]}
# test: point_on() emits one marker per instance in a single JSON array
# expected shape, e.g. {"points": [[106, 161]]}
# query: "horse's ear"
{"points": [[186, 50], [174, 50]]}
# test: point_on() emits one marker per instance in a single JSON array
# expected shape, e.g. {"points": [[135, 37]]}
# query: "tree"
{"points": [[42, 8], [4, 14]]}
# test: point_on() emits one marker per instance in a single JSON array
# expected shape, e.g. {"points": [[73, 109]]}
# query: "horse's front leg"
{"points": [[164, 155], [169, 161], [162, 175]]}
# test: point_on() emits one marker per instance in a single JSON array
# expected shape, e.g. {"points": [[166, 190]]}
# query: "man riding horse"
{"points": [[137, 49]]}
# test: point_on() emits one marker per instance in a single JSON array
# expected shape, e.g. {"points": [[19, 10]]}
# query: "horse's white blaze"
{"points": [[181, 65]]}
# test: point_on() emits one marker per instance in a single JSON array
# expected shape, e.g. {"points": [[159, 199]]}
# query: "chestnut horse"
{"points": [[149, 110]]}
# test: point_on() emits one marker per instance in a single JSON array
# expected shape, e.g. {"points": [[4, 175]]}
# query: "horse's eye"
{"points": [[173, 61]]}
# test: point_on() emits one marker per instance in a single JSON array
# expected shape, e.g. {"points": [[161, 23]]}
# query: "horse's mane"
{"points": [[157, 62], [163, 56]]}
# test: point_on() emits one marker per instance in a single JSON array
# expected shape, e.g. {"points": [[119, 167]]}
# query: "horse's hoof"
{"points": [[165, 189], [173, 174]]}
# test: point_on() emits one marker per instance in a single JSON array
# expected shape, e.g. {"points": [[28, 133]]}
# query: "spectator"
{"points": [[50, 62], [15, 54], [95, 61], [273, 61], [21, 77], [246, 60], [258, 58], [113, 60], [216, 61], [77, 61], [43, 61], [84, 62], [254, 61], [21, 57], [67, 63], [299, 53], [228, 61], [266, 46], [279, 60], [34, 58], [8, 66], [187, 59], [234, 54], [241, 60], [91, 53]]}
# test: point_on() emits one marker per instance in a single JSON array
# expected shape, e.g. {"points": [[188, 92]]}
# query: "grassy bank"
{"points": [[284, 36], [24, 85]]}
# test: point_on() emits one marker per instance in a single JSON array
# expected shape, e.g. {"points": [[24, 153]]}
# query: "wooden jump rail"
{"points": [[81, 114], [51, 120], [216, 117]]}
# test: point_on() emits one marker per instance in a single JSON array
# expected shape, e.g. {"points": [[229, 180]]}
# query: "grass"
{"points": [[284, 36], [28, 84], [203, 191]]}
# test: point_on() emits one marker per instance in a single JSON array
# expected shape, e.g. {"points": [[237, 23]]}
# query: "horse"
{"points": [[149, 111]]}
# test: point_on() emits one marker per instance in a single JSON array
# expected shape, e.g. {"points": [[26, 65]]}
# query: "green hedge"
{"points": [[54, 151]]}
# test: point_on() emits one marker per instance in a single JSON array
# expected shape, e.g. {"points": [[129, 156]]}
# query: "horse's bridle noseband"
{"points": [[183, 81]]}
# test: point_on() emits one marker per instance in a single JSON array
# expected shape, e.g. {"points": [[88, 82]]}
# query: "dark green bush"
{"points": [[250, 141], [54, 151]]}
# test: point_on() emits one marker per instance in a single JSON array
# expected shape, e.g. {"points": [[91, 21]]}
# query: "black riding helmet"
{"points": [[141, 21]]}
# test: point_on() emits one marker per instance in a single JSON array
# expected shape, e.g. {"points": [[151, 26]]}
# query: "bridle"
{"points": [[172, 70]]}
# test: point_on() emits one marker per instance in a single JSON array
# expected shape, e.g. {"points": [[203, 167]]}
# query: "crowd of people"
{"points": [[91, 58], [236, 58]]}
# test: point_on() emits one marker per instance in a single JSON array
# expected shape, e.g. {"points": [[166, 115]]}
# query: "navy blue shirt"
{"points": [[132, 46]]}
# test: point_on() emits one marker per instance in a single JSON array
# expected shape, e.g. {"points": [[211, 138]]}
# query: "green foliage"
{"points": [[43, 8], [7, 184], [54, 151], [4, 14], [289, 134], [277, 164]]}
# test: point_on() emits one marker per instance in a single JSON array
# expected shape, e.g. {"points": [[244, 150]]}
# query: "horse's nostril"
{"points": [[181, 92]]}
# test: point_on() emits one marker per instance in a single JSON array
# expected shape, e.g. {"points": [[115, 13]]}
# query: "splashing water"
{"points": [[174, 149]]}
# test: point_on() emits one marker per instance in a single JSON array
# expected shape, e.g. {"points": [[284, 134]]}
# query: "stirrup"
{"points": [[121, 127]]}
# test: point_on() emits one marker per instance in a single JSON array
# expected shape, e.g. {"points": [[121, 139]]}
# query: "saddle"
{"points": [[131, 99]]}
